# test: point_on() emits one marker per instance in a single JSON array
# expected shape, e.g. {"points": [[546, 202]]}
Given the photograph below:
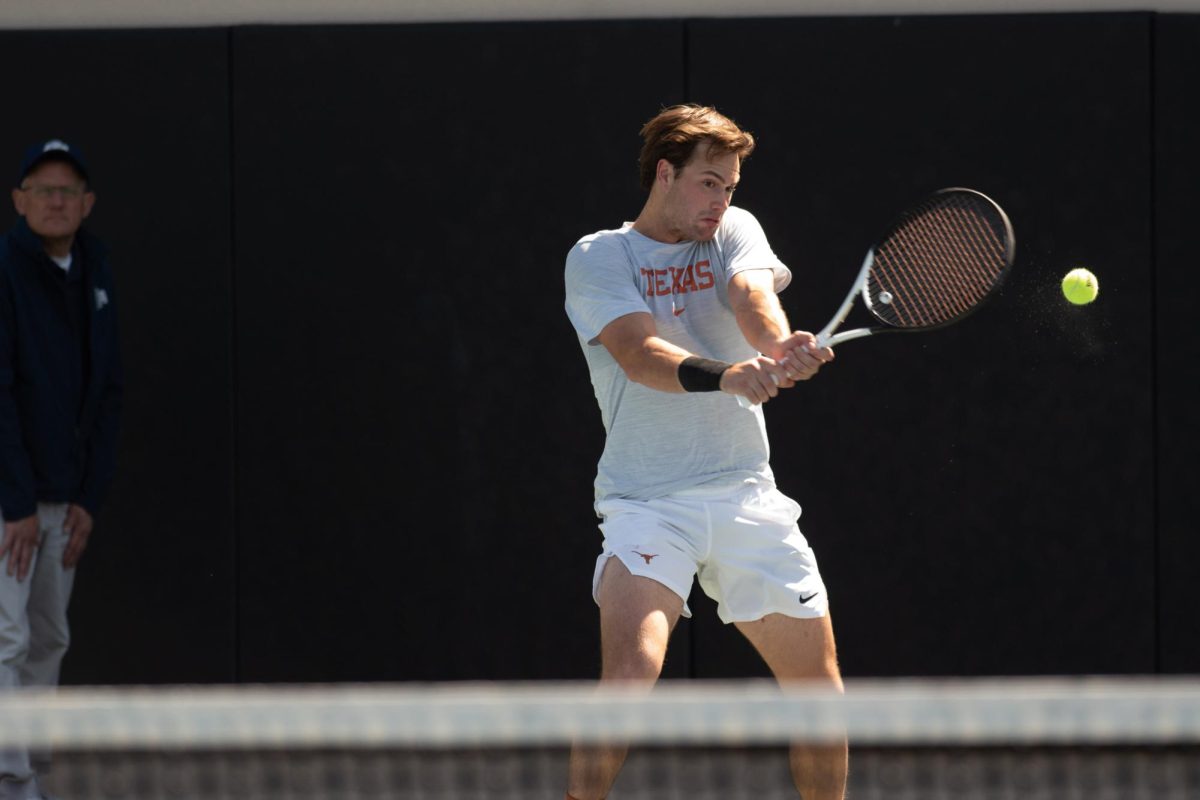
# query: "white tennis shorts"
{"points": [[743, 543]]}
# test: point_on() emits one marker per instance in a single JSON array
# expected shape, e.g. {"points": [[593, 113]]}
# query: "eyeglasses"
{"points": [[48, 192]]}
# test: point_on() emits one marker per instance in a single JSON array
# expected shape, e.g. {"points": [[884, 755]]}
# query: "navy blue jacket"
{"points": [[60, 375]]}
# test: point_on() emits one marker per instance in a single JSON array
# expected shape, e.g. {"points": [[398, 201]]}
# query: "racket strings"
{"points": [[955, 279], [938, 266], [939, 263]]}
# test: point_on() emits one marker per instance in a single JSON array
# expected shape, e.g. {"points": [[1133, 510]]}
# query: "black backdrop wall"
{"points": [[360, 437]]}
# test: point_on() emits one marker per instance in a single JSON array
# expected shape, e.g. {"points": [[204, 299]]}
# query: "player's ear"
{"points": [[664, 172]]}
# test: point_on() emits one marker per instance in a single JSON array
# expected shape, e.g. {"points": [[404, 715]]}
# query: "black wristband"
{"points": [[701, 374]]}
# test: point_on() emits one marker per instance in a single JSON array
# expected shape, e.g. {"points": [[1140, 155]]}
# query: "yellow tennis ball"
{"points": [[1080, 286]]}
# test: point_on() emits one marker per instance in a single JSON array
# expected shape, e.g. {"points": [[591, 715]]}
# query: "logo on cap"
{"points": [[55, 144]]}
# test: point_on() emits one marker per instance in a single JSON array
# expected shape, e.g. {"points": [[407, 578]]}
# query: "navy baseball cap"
{"points": [[52, 150]]}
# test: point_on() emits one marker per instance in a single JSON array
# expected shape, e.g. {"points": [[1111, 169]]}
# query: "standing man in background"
{"points": [[677, 315], [60, 396]]}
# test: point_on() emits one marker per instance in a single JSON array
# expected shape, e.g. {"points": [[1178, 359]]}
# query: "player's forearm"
{"points": [[655, 364], [762, 320], [642, 354]]}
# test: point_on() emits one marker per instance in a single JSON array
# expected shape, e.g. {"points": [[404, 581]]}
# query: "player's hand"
{"points": [[19, 545], [757, 379], [800, 357], [78, 526]]}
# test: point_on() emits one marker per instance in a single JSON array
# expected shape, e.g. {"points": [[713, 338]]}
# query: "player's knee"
{"points": [[636, 665], [825, 669], [814, 670]]}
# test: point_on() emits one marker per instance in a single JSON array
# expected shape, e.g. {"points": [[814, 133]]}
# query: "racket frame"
{"points": [[827, 336]]}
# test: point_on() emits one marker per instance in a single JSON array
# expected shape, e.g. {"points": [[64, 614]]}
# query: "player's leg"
{"points": [[804, 650], [637, 615], [764, 576]]}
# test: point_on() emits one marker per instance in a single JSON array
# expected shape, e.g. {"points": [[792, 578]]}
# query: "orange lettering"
{"points": [[689, 280], [660, 285], [678, 280], [676, 276]]}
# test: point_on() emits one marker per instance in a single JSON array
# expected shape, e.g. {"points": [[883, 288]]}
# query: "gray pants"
{"points": [[34, 636]]}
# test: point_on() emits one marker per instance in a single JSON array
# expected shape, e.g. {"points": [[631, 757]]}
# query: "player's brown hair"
{"points": [[674, 132]]}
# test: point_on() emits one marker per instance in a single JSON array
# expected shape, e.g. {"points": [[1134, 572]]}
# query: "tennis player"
{"points": [[677, 315]]}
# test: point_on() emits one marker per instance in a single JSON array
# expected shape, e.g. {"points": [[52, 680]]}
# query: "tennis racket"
{"points": [[937, 263]]}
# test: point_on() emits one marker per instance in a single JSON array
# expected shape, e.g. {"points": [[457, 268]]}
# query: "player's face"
{"points": [[699, 195], [54, 201]]}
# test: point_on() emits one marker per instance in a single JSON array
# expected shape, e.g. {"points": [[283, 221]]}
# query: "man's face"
{"points": [[698, 196], [54, 200]]}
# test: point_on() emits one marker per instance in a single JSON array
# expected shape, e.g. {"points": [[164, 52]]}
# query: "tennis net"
{"points": [[1094, 738]]}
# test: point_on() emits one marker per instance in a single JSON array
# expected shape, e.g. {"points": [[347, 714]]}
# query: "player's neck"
{"points": [[654, 224]]}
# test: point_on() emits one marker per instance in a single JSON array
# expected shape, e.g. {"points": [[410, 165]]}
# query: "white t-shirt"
{"points": [[662, 442]]}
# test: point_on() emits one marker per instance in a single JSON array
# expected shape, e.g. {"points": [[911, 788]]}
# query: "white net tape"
{"points": [[1079, 711]]}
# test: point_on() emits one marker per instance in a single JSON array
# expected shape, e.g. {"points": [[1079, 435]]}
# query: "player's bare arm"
{"points": [[652, 361], [765, 326]]}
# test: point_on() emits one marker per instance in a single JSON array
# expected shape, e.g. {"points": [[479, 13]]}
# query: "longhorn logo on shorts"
{"points": [[647, 556]]}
